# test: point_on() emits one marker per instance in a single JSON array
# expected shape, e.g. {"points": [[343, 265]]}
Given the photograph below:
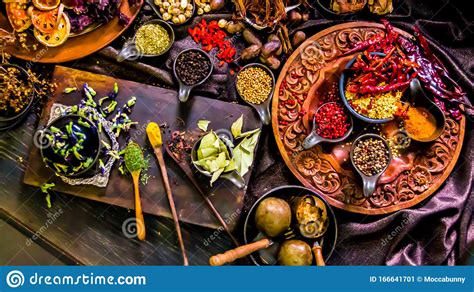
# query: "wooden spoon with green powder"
{"points": [[134, 162]]}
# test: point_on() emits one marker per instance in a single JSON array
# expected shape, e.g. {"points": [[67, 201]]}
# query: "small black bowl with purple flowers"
{"points": [[71, 145]]}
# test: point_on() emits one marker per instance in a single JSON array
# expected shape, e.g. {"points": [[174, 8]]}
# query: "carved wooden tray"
{"points": [[75, 47], [306, 77]]}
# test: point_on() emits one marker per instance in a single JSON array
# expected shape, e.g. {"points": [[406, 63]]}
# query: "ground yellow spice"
{"points": [[380, 106], [419, 123]]}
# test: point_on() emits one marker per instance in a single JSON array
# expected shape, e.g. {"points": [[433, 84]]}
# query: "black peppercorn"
{"points": [[192, 67]]}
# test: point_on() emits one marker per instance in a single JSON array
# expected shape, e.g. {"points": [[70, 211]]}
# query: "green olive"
{"points": [[273, 216], [295, 253]]}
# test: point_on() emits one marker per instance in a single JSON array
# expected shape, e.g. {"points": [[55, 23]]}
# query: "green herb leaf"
{"points": [[236, 127], [244, 153], [203, 124]]}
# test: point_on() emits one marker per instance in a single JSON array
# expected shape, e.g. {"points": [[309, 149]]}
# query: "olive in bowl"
{"points": [[70, 145]]}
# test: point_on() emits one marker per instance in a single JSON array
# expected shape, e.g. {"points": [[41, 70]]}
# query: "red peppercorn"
{"points": [[332, 121]]}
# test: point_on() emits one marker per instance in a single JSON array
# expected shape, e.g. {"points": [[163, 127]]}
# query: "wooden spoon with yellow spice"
{"points": [[134, 162], [153, 132]]}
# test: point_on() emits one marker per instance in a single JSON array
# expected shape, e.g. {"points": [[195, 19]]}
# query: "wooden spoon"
{"points": [[138, 205], [154, 135]]}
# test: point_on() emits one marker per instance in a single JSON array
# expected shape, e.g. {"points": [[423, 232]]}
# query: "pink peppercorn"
{"points": [[332, 121]]}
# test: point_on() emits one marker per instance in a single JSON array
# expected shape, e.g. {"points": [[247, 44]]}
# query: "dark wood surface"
{"points": [[162, 106], [86, 232]]}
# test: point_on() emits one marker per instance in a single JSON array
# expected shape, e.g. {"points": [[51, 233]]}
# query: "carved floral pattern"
{"points": [[314, 167]]}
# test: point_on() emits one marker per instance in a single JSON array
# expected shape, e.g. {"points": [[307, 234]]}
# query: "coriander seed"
{"points": [[254, 85]]}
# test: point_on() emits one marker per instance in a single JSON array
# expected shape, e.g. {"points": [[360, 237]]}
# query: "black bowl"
{"points": [[92, 145], [9, 121], [342, 86], [287, 193]]}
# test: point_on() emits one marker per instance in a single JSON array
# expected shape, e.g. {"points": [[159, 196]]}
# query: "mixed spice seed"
{"points": [[371, 156], [254, 85], [192, 67]]}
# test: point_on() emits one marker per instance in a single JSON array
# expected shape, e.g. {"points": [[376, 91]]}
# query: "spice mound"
{"points": [[192, 67], [152, 39], [15, 92], [254, 84], [371, 156], [375, 106], [332, 121], [419, 123], [133, 157]]}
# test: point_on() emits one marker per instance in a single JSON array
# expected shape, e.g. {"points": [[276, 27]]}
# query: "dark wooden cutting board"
{"points": [[162, 106]]}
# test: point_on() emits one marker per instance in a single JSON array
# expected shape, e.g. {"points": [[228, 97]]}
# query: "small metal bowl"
{"points": [[289, 194], [262, 109], [131, 52], [8, 122], [342, 86], [184, 89], [420, 99], [369, 183], [227, 139], [314, 139], [156, 9], [92, 144]]}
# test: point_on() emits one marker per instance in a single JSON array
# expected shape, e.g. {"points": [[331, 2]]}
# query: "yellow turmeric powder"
{"points": [[419, 123]]}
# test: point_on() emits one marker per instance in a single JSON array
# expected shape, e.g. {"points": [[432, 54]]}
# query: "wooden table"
{"points": [[85, 232]]}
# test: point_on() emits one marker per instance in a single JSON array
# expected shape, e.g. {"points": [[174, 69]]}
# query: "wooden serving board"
{"points": [[162, 106], [418, 171]]}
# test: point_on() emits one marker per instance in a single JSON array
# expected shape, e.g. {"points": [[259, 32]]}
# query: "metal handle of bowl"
{"points": [[129, 51], [311, 140], [369, 184], [235, 178], [183, 93], [264, 113]]}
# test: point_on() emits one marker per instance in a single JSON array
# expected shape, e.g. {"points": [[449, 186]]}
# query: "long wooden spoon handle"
{"points": [[164, 175], [141, 232], [239, 252], [318, 254]]}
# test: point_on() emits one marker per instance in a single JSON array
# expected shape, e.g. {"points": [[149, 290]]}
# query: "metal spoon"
{"points": [[262, 109], [369, 183], [420, 99], [312, 220], [314, 139], [184, 89]]}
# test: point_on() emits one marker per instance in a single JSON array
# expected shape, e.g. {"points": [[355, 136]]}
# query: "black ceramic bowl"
{"points": [[8, 120], [288, 193], [342, 88], [92, 145]]}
